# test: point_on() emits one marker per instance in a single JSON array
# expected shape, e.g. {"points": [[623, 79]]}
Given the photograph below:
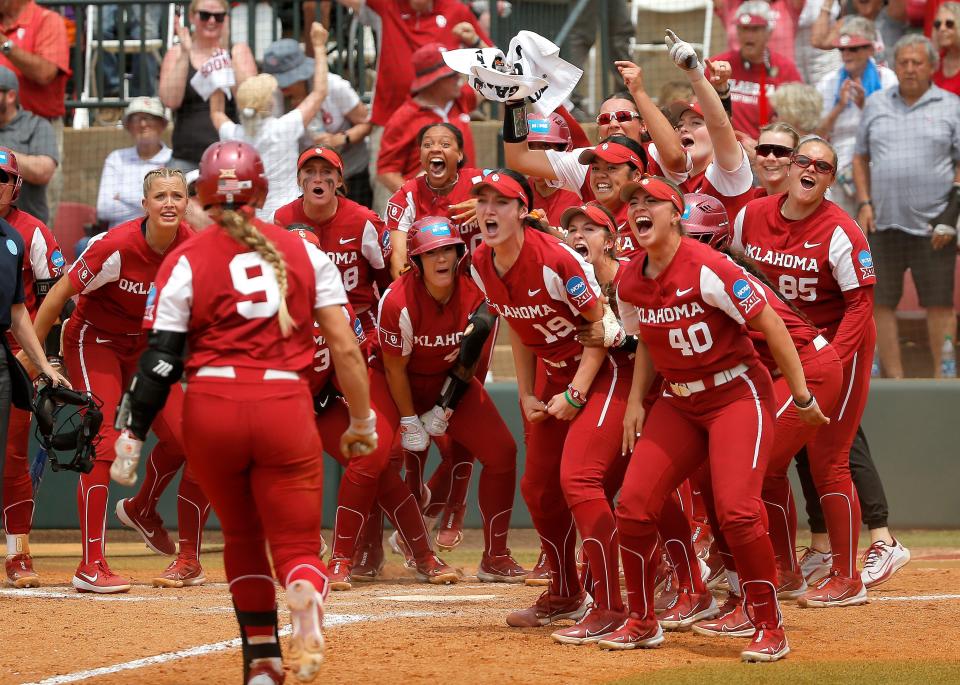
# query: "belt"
{"points": [[246, 374], [563, 363], [719, 378]]}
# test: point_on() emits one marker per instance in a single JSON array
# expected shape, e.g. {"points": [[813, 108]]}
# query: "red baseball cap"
{"points": [[503, 184], [428, 67], [614, 153], [324, 153], [851, 40], [658, 187], [592, 212], [676, 109], [753, 14]]}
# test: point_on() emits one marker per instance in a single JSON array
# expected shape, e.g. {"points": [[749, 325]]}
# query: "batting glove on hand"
{"points": [[360, 437], [413, 435], [124, 468], [684, 56], [436, 420]]}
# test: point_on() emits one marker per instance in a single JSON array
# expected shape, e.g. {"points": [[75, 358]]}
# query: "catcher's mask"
{"points": [[68, 420]]}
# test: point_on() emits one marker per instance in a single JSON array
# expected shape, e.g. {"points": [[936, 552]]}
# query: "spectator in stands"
{"points": [[756, 69], [675, 91], [33, 141], [844, 94], [783, 23], [436, 95], [342, 122], [799, 105], [121, 183], [583, 35], [946, 36], [192, 130], [812, 62], [889, 17], [135, 25], [906, 169], [34, 46], [275, 138]]}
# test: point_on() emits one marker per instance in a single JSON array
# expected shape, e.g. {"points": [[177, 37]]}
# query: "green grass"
{"points": [[802, 673]]}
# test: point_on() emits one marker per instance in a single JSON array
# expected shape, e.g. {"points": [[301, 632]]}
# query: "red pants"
{"points": [[477, 426], [255, 450], [369, 478], [104, 363], [731, 427], [17, 486], [567, 472]]}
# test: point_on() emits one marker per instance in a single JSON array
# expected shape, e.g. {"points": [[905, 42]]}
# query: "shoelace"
{"points": [[873, 554]]}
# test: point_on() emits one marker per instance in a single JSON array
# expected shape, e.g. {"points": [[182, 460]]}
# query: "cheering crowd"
{"points": [[690, 303]]}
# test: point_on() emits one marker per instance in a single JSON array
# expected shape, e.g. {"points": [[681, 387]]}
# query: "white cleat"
{"points": [[882, 561], [306, 640]]}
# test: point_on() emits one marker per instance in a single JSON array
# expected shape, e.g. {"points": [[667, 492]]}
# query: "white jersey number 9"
{"points": [[253, 276], [804, 288], [556, 328], [696, 340]]}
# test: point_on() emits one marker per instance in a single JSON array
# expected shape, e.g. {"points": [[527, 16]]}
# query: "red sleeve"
{"points": [[389, 331], [576, 130], [283, 217], [857, 319], [395, 146], [468, 98], [395, 208], [51, 41], [91, 262]]}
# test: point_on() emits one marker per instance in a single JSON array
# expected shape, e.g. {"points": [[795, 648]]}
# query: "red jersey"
{"points": [[225, 297], [752, 85], [734, 189], [415, 200], [801, 332], [624, 245], [322, 371], [40, 32], [350, 238], [116, 273], [543, 294], [43, 261], [691, 316], [812, 261], [399, 152], [412, 324], [402, 32], [554, 203]]}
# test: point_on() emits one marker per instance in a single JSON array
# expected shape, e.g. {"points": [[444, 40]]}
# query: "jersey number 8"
{"points": [[254, 277], [696, 341]]}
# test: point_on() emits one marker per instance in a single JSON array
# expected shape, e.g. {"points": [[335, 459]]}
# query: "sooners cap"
{"points": [[503, 184], [614, 153], [592, 212], [324, 153], [429, 67], [851, 40], [676, 109], [658, 187], [754, 14]]}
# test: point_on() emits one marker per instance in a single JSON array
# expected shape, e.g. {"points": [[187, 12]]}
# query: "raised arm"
{"points": [[661, 131], [174, 70], [517, 155], [310, 105]]}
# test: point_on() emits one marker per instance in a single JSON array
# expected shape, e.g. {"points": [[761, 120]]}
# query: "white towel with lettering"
{"points": [[215, 74], [531, 69]]}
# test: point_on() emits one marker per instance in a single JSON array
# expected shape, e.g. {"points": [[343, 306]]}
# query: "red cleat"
{"points": [[265, 672], [548, 609], [182, 572], [731, 621], [635, 633], [688, 608], [595, 625], [150, 527], [97, 577], [768, 644], [436, 571], [540, 575], [367, 563], [20, 571], [835, 591], [450, 530], [790, 584], [338, 573]]}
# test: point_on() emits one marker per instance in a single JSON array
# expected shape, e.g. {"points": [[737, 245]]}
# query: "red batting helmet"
{"points": [[705, 218], [231, 174], [430, 233], [552, 130], [8, 163]]}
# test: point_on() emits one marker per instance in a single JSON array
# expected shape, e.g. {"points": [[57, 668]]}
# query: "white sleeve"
{"points": [[230, 131], [715, 294], [672, 175], [841, 260], [370, 246], [731, 183], [175, 301], [408, 214], [629, 316], [39, 263], [477, 279], [406, 332], [108, 273], [736, 243], [329, 285], [568, 169], [340, 96]]}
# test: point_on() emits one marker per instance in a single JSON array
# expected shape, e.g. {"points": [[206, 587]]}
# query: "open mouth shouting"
{"points": [[437, 167], [643, 224], [808, 181], [686, 141], [490, 228], [580, 246]]}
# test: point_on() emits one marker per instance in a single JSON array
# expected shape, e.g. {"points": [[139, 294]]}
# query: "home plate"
{"points": [[438, 598]]}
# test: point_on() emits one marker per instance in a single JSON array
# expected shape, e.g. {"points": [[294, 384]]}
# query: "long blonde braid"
{"points": [[241, 229]]}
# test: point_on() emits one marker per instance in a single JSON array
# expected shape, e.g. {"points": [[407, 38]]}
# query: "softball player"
{"points": [[243, 295]]}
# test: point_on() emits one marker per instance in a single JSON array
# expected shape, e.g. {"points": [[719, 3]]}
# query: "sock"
{"points": [[162, 466], [598, 530], [782, 516], [638, 556], [92, 497], [307, 567], [193, 509], [841, 510], [355, 500], [495, 498], [758, 577], [676, 533]]}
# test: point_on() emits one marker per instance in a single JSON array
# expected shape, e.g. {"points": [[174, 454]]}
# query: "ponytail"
{"points": [[239, 227]]}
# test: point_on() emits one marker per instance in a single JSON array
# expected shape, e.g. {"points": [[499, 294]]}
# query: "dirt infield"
{"points": [[402, 631]]}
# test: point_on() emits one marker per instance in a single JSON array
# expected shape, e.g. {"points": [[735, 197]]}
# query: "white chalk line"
{"points": [[89, 596], [912, 598], [330, 621], [438, 598]]}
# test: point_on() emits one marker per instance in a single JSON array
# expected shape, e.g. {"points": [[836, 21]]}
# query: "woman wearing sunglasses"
{"points": [[193, 131], [844, 93], [772, 158], [573, 410], [946, 36], [818, 258], [691, 308]]}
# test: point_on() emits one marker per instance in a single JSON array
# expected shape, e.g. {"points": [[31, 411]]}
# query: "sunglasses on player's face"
{"points": [[819, 165], [778, 151], [947, 23], [206, 16], [621, 115]]}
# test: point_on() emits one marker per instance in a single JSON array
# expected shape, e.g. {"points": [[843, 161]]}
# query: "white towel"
{"points": [[216, 73], [531, 69]]}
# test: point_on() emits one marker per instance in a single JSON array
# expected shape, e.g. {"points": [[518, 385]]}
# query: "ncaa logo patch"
{"points": [[385, 239], [866, 264], [57, 259], [742, 289], [12, 247], [576, 286]]}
